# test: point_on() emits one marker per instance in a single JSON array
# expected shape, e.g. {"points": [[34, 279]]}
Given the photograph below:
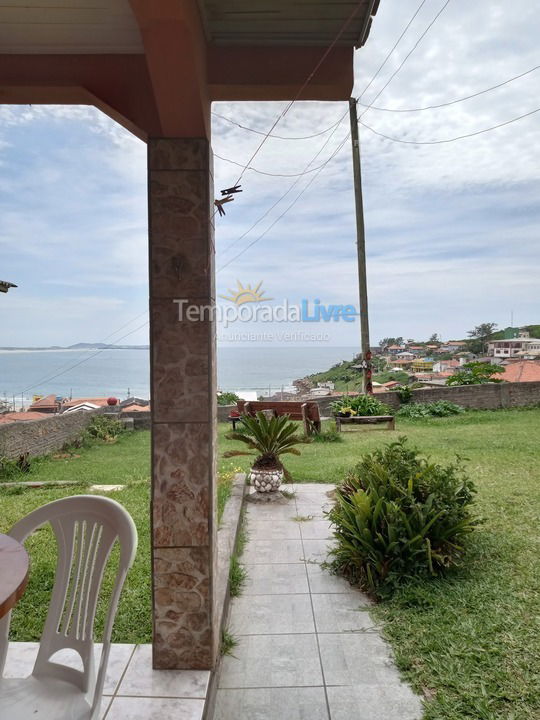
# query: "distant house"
{"points": [[416, 349], [395, 349], [522, 371], [22, 416], [135, 408], [422, 364], [442, 365], [452, 346], [405, 355], [512, 348], [391, 384], [84, 404], [48, 404]]}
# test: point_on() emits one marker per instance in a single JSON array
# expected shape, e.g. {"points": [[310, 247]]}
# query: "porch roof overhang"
{"points": [[156, 65]]}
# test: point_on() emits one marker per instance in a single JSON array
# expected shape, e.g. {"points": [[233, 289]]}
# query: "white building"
{"points": [[515, 347]]}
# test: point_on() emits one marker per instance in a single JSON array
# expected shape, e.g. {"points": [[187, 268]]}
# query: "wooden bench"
{"points": [[366, 420], [306, 412]]}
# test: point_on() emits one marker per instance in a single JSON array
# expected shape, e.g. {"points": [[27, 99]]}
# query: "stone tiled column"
{"points": [[183, 403]]}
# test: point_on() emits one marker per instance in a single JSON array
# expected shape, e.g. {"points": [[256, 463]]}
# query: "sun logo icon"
{"points": [[246, 294]]}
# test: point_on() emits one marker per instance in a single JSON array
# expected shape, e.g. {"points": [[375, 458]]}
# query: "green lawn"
{"points": [[470, 642]]}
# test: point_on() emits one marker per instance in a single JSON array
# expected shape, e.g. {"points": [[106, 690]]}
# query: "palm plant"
{"points": [[267, 439]]}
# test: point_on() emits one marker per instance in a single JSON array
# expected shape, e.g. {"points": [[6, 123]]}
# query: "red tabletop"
{"points": [[14, 565]]}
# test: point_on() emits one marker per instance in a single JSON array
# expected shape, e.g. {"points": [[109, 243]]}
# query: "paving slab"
{"points": [[277, 579], [308, 648]]}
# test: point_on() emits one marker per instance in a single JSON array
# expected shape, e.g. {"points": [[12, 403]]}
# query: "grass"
{"points": [[228, 642], [470, 643], [125, 462]]}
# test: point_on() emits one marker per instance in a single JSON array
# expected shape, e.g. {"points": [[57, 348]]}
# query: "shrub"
{"points": [[14, 469], [399, 516], [404, 393], [227, 398], [440, 408], [104, 428], [327, 436], [360, 405]]}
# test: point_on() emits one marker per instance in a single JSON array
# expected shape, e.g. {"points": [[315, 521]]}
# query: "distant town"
{"points": [[509, 355]]}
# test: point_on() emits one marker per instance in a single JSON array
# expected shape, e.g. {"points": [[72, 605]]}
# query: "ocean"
{"points": [[120, 373]]}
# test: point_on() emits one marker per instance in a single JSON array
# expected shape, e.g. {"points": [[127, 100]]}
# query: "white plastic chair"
{"points": [[86, 528]]}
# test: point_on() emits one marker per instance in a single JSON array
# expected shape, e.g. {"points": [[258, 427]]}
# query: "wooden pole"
{"points": [[361, 251]]}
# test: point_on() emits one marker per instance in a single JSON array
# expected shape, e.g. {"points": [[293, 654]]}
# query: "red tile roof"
{"points": [[100, 402], [23, 416], [524, 371], [49, 401]]}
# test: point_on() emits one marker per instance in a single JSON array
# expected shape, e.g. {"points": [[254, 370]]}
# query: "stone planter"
{"points": [[265, 481]]}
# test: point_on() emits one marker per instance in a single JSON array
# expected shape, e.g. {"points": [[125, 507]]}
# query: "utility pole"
{"points": [[361, 251]]}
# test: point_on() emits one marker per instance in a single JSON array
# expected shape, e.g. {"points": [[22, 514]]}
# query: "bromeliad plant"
{"points": [[397, 516], [268, 438]]}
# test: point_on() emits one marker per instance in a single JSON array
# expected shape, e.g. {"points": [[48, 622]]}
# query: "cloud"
{"points": [[452, 230]]}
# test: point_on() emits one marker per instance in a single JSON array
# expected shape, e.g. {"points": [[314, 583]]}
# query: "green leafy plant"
{"points": [[398, 516], [360, 405], [14, 469], [267, 438], [227, 398], [104, 428], [476, 373], [228, 643], [440, 408], [404, 393], [327, 436]]}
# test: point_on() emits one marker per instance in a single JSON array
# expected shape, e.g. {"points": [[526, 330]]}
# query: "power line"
{"points": [[407, 56], [81, 362], [453, 102], [276, 137], [389, 54], [396, 71], [320, 169], [302, 88], [110, 335], [450, 140], [282, 197]]}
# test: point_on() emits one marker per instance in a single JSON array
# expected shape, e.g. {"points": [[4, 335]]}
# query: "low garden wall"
{"points": [[491, 396], [39, 437]]}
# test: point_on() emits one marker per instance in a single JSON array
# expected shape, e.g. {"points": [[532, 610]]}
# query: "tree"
{"points": [[434, 339], [385, 342], [475, 373], [480, 336]]}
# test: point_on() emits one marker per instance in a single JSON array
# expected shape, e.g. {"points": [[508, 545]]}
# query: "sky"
{"points": [[452, 230]]}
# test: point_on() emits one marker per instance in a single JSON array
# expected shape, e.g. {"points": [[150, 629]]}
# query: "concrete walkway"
{"points": [[307, 647]]}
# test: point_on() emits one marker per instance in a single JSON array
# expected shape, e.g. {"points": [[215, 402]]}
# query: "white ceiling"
{"points": [[68, 26]]}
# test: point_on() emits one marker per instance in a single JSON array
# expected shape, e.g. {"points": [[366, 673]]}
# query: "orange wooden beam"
{"points": [[117, 84], [175, 48], [278, 73]]}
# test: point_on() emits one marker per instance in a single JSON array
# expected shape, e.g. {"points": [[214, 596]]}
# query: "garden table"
{"points": [[14, 566]]}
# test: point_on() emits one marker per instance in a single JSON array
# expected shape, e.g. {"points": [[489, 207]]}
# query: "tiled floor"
{"points": [[133, 691], [307, 648]]}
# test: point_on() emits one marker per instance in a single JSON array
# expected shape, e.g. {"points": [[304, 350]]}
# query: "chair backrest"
{"points": [[86, 528]]}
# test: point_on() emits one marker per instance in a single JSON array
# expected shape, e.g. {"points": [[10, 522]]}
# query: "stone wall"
{"points": [[480, 397], [39, 437]]}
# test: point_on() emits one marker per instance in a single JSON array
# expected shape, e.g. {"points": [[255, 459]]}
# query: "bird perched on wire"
{"points": [[219, 204]]}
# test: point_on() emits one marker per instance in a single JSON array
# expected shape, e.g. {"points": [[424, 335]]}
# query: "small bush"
{"points": [[360, 405], [441, 408], [327, 436], [404, 393], [14, 469], [399, 516], [104, 428], [227, 398]]}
